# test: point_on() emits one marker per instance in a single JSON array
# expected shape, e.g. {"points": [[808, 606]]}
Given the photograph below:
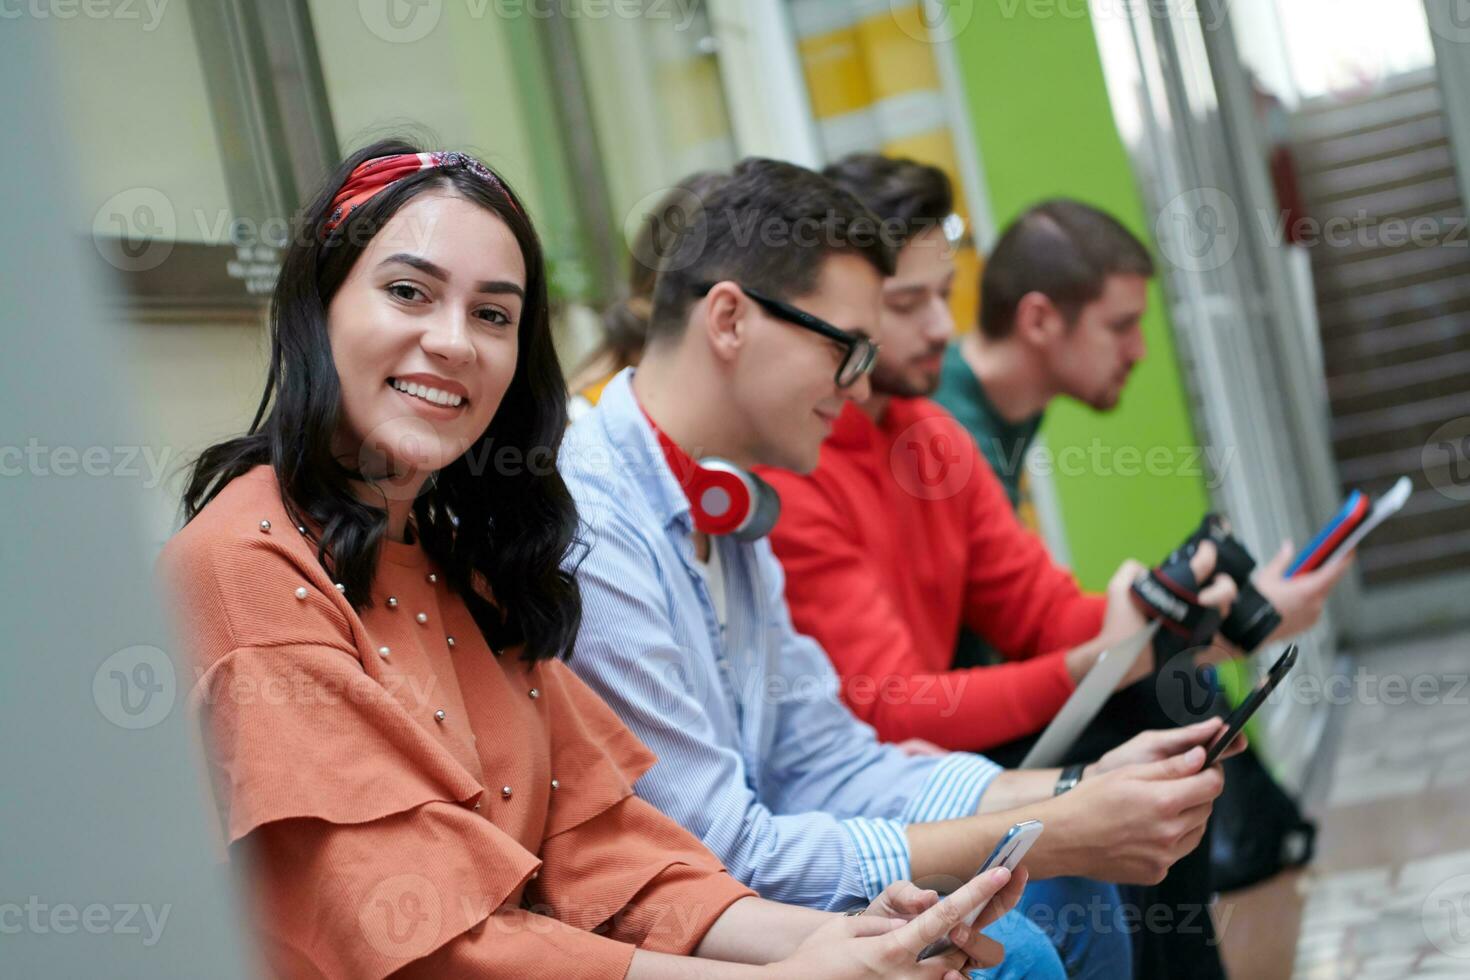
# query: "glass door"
{"points": [[1332, 192], [1368, 194], [1202, 165]]}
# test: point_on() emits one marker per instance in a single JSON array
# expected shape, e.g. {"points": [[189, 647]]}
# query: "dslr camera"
{"points": [[1252, 617]]}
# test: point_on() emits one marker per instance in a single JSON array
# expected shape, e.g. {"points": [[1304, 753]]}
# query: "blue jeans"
{"points": [[1083, 919], [1029, 952]]}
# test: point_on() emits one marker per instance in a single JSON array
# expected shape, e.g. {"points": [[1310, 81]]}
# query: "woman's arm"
{"points": [[664, 966], [861, 947], [754, 930]]}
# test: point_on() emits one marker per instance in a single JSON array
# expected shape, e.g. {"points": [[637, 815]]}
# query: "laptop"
{"points": [[1084, 704]]}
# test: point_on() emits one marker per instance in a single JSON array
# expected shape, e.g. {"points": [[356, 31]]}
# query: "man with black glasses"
{"points": [[763, 326]]}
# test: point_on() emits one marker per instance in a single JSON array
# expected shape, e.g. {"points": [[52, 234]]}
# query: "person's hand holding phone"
{"points": [[1299, 598], [1155, 746], [1225, 744], [1129, 825], [867, 946]]}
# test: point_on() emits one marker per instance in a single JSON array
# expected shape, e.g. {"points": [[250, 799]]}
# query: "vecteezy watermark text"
{"points": [[126, 462], [149, 12], [41, 918]]}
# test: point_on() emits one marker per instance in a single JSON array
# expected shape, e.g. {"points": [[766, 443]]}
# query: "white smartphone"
{"points": [[1007, 854]]}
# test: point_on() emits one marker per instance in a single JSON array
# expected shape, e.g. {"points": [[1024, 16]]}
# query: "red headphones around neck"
{"points": [[723, 498]]}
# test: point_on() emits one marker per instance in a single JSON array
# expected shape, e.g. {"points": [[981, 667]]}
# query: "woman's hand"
{"points": [[873, 945], [902, 900]]}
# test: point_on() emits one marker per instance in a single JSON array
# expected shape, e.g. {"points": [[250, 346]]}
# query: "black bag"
{"points": [[1258, 829]]}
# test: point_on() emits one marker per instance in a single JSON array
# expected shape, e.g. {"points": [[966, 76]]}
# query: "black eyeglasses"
{"points": [[862, 351]]}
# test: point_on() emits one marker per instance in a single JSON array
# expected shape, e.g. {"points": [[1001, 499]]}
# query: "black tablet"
{"points": [[1249, 706]]}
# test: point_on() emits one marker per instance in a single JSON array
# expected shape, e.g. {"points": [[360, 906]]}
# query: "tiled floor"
{"points": [[1389, 893]]}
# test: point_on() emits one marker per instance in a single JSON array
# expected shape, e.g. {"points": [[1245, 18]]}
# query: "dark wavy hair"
{"points": [[908, 196], [625, 321], [508, 529], [769, 225]]}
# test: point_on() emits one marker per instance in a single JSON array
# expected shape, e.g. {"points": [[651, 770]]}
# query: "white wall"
{"points": [[132, 98], [192, 385]]}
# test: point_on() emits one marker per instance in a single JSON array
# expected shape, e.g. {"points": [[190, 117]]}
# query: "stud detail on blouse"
{"points": [[301, 528], [341, 587], [439, 715], [533, 694], [433, 578], [383, 652], [505, 792], [556, 784], [392, 602], [301, 592], [265, 527], [421, 618], [451, 640]]}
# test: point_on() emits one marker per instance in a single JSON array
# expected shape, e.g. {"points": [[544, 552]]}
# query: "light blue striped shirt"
{"points": [[758, 757]]}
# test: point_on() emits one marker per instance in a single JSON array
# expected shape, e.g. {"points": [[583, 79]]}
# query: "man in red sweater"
{"points": [[903, 534]]}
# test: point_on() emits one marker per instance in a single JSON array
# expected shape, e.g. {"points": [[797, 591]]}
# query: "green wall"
{"points": [[1039, 106]]}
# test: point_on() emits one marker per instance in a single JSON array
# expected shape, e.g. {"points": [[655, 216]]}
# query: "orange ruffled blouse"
{"points": [[406, 799]]}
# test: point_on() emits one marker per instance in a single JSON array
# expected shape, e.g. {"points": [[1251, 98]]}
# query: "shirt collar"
{"points": [[635, 446]]}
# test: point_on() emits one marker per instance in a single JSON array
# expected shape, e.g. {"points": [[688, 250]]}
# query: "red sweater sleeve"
{"points": [[1021, 601], [837, 597], [1027, 607]]}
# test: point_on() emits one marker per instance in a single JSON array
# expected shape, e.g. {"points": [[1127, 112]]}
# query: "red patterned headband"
{"points": [[372, 176]]}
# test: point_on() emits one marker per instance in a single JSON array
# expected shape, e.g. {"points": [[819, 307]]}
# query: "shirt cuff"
{"points": [[953, 789], [883, 852]]}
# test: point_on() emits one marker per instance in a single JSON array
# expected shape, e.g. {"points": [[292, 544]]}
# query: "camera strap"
{"points": [[1170, 594]]}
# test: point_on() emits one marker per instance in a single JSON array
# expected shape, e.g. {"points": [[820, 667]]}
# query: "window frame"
{"points": [[273, 124]]}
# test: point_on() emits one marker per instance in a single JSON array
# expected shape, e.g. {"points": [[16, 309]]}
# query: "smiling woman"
{"points": [[424, 272], [419, 338], [377, 618]]}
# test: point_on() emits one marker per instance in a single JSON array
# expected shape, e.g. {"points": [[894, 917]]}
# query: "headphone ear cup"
{"points": [[765, 510], [720, 495], [748, 507]]}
